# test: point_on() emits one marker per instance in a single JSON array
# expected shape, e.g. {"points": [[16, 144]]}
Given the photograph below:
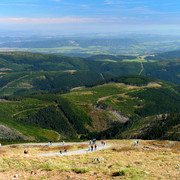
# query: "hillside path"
{"points": [[5, 86], [77, 152], [102, 76], [82, 151], [28, 110], [142, 68]]}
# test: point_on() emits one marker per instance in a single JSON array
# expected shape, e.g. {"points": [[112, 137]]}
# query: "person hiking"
{"points": [[25, 152], [89, 148], [95, 147], [63, 143], [92, 148], [60, 151], [90, 142], [65, 149], [137, 143]]}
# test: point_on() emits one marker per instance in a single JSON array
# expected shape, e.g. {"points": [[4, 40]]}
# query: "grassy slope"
{"points": [[10, 110], [33, 116], [150, 160]]}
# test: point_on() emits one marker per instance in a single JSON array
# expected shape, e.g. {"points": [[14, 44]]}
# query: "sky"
{"points": [[90, 16]]}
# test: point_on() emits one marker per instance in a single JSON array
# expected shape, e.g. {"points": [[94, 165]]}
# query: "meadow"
{"points": [[150, 160]]}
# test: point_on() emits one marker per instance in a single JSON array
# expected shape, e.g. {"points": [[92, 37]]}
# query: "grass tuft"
{"points": [[81, 170], [120, 173]]}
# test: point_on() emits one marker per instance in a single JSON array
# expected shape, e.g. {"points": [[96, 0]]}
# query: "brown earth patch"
{"points": [[125, 149]]}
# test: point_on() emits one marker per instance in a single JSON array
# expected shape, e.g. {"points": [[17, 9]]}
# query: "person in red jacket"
{"points": [[65, 149]]}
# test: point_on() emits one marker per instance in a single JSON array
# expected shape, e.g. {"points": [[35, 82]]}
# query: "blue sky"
{"points": [[77, 16]]}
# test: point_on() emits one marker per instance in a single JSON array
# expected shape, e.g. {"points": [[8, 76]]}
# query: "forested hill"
{"points": [[134, 80], [123, 107], [165, 56], [22, 72]]}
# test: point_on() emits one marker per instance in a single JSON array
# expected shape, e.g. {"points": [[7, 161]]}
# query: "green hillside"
{"points": [[142, 104], [26, 72], [49, 97], [165, 56], [42, 117], [121, 107]]}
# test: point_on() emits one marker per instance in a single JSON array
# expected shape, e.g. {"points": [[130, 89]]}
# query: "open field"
{"points": [[150, 160], [85, 49]]}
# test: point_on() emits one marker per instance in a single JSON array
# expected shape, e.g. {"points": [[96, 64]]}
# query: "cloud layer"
{"points": [[64, 20]]}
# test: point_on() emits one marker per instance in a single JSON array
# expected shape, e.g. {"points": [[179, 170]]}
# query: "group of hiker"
{"points": [[65, 150], [136, 143], [103, 143], [92, 142], [25, 151], [93, 146]]}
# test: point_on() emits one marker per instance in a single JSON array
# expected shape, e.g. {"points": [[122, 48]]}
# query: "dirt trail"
{"points": [[82, 151], [142, 68], [12, 82], [102, 76], [103, 98], [28, 110]]}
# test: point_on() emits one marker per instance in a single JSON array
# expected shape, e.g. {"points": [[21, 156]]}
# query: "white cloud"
{"points": [[86, 20], [108, 2], [64, 20], [85, 5], [17, 4]]}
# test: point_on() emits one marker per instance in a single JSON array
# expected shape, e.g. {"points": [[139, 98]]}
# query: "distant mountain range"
{"points": [[86, 46]]}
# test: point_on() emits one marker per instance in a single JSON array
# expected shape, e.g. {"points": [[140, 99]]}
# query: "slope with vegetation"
{"points": [[142, 99], [96, 104], [122, 107], [33, 72]]}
